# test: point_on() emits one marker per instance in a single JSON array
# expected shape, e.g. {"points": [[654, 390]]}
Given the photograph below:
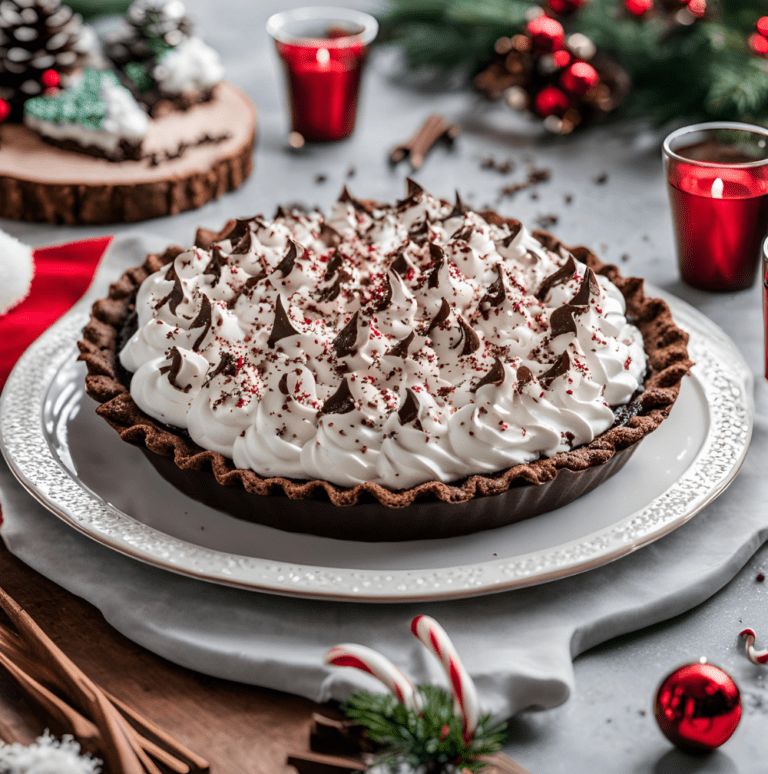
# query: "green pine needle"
{"points": [[432, 738]]}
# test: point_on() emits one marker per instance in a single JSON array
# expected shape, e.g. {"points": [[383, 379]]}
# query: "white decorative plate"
{"points": [[76, 465]]}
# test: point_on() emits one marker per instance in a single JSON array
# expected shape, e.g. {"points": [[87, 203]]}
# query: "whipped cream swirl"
{"points": [[397, 344]]}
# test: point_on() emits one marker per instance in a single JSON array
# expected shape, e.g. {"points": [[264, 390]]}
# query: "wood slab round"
{"points": [[190, 157]]}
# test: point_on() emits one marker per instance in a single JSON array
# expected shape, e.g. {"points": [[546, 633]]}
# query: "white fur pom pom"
{"points": [[47, 756], [16, 269]]}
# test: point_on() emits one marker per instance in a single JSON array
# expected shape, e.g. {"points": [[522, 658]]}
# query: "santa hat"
{"points": [[16, 269]]}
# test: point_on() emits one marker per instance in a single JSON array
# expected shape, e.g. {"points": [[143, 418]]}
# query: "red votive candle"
{"points": [[717, 177], [323, 51]]}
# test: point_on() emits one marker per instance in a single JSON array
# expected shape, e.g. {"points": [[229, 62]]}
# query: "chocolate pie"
{"points": [[413, 370]]}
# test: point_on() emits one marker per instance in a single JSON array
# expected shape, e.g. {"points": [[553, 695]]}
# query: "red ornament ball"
{"points": [[759, 44], [5, 110], [561, 58], [566, 7], [698, 707], [579, 78], [50, 78], [762, 26], [550, 101], [638, 7], [547, 34], [697, 7]]}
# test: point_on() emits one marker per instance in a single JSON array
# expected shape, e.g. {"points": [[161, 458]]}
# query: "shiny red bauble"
{"points": [[547, 34], [759, 44], [5, 110], [579, 78], [50, 78], [550, 101], [698, 707], [638, 7], [697, 7], [762, 26], [566, 7]]}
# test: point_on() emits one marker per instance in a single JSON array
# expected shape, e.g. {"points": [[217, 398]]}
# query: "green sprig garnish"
{"points": [[431, 739]]}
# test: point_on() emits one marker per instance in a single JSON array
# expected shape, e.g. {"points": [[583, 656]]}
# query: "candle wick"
{"points": [[717, 188]]}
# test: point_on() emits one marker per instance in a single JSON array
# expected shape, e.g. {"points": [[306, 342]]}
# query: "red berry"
{"points": [[638, 7], [758, 44], [5, 110], [565, 7], [546, 33], [762, 26], [561, 58], [550, 101], [579, 78], [50, 78], [697, 7]]}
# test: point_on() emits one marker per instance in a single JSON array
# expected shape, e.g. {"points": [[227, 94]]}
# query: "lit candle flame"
{"points": [[323, 56], [717, 188]]}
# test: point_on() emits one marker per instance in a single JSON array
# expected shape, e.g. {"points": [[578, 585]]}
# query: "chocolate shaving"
{"points": [[459, 208], [176, 296], [227, 367], [282, 327], [495, 376], [524, 376], [329, 235], [384, 300], [285, 267], [360, 206], [173, 370], [414, 190], [282, 385], [401, 348], [589, 288], [563, 274], [213, 268], [409, 411], [463, 234], [344, 343], [341, 402], [240, 228], [331, 292], [442, 315], [514, 230], [334, 264], [562, 320], [561, 366], [416, 148], [438, 256], [203, 320], [244, 245], [496, 293], [471, 339], [420, 234], [401, 265]]}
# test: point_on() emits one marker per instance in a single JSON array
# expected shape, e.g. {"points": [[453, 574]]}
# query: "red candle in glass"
{"points": [[323, 51], [718, 188]]}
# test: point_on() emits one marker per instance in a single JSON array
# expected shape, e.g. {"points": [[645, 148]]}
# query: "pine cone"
{"points": [[35, 36]]}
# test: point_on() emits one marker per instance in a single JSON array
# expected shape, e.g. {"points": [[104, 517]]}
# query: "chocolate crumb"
{"points": [[320, 178], [625, 257], [602, 178], [502, 167], [568, 198], [351, 172], [534, 195], [545, 221], [760, 577]]}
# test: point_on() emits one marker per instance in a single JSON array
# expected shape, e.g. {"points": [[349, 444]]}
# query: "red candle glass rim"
{"points": [[711, 126], [279, 23]]}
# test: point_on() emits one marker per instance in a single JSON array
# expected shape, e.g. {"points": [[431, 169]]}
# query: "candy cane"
{"points": [[368, 660], [466, 702], [755, 656]]}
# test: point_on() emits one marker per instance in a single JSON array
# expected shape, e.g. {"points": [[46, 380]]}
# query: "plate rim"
{"points": [[720, 369]]}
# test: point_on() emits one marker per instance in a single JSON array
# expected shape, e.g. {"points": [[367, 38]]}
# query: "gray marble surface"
{"points": [[607, 725]]}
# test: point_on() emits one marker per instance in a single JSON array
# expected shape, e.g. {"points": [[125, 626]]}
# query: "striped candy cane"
{"points": [[755, 656], [466, 702], [368, 660]]}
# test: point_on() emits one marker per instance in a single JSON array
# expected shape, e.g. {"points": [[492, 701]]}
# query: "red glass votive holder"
{"points": [[323, 51], [765, 304], [717, 175]]}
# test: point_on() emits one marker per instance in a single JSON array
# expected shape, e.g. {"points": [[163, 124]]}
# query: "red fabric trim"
{"points": [[62, 275]]}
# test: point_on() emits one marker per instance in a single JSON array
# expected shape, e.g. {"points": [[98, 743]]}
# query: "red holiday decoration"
{"points": [[698, 707], [50, 78], [762, 26], [566, 7], [547, 34], [5, 110], [638, 7], [550, 101], [697, 7], [561, 58], [759, 657], [579, 78], [759, 44]]}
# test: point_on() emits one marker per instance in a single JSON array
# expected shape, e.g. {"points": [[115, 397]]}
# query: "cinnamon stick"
{"points": [[416, 148]]}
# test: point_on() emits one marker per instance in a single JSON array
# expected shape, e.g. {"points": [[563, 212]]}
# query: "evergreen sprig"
{"points": [[697, 72], [431, 739]]}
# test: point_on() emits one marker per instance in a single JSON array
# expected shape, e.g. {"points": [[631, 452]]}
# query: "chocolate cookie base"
{"points": [[40, 182], [372, 522], [126, 150]]}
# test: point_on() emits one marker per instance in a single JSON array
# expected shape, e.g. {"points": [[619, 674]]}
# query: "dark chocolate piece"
{"points": [[463, 234], [329, 235], [562, 320], [282, 327], [514, 230], [494, 376], [563, 274], [414, 190], [341, 402], [213, 268], [401, 348], [176, 296], [344, 343], [470, 338], [441, 316], [285, 267], [173, 370], [560, 367], [589, 288], [334, 264], [438, 256], [227, 367], [401, 264], [524, 376], [459, 208], [409, 411], [496, 293], [203, 320]]}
